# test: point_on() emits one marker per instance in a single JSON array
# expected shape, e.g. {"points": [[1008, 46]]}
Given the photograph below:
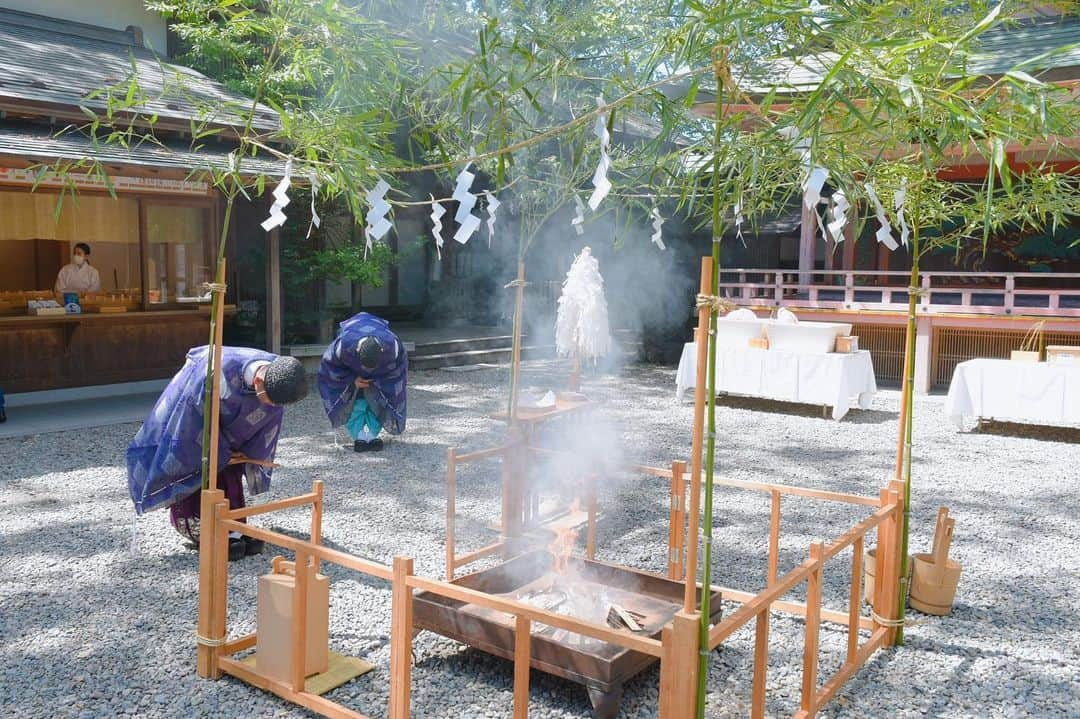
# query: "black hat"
{"points": [[285, 381], [369, 350]]}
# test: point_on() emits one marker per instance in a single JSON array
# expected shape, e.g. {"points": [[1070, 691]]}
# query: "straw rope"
{"points": [[214, 287], [713, 302], [515, 283], [207, 642]]}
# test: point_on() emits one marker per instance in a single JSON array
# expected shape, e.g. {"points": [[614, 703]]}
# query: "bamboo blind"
{"points": [[953, 345], [886, 345]]}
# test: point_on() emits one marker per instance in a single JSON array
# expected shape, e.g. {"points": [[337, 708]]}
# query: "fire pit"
{"points": [[589, 590]]}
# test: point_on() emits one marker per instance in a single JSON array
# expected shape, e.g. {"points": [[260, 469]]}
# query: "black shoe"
{"points": [[253, 546], [374, 445], [237, 548]]}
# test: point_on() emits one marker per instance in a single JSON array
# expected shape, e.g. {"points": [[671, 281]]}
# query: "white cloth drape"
{"points": [[1035, 392]]}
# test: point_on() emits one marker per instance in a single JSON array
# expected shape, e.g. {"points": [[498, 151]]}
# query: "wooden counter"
{"points": [[55, 351]]}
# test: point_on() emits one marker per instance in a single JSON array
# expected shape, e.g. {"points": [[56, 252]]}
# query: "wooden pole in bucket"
{"points": [[701, 338]]}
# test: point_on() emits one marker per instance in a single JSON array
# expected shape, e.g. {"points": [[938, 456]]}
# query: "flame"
{"points": [[562, 546]]}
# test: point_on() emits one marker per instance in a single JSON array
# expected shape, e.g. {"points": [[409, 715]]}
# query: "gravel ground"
{"points": [[91, 630]]}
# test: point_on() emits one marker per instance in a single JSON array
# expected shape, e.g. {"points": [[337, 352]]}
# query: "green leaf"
{"points": [[1024, 78]]}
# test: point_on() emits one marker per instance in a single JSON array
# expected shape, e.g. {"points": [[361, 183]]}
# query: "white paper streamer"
{"points": [[657, 223], [812, 186], [581, 323], [437, 211], [884, 233], [600, 180], [739, 219], [839, 215], [579, 216], [281, 200], [316, 221], [899, 199], [469, 223], [492, 205], [377, 223]]}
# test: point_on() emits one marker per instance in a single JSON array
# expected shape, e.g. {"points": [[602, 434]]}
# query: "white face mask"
{"points": [[79, 260]]}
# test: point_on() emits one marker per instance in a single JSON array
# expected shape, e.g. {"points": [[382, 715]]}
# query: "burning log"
{"points": [[622, 618]]}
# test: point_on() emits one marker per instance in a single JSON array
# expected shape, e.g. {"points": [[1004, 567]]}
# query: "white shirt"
{"points": [[75, 278]]}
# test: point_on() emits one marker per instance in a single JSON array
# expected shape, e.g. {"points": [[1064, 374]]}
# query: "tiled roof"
{"points": [[42, 144], [57, 64]]}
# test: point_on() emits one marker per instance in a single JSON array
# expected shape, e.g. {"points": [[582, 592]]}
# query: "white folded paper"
{"points": [[437, 211], [281, 200]]}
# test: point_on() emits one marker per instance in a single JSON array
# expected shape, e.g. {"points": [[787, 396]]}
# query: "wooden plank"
{"points": [[484, 453], [761, 664], [470, 557], [205, 654], [401, 632], [813, 627], [774, 537], [855, 600], [276, 506], [828, 691], [676, 521], [220, 587], [314, 702], [857, 532], [679, 667], [299, 620], [374, 569], [646, 645], [796, 491], [701, 336], [522, 643], [796, 608], [316, 520], [451, 510], [239, 644]]}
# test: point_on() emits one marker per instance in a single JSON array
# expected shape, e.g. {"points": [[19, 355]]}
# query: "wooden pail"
{"points": [[933, 586]]}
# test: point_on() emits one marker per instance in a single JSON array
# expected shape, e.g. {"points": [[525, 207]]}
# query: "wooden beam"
{"points": [[522, 643]]}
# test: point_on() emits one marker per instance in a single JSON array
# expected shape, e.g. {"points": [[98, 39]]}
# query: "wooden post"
{"points": [[451, 511], [590, 501], [206, 664], [855, 599], [522, 644], [701, 337], [896, 590], [299, 620], [677, 521], [679, 667], [273, 291], [774, 537], [316, 520], [813, 625], [401, 629]]}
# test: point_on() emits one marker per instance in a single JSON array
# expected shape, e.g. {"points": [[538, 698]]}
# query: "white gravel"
{"points": [[89, 630]]}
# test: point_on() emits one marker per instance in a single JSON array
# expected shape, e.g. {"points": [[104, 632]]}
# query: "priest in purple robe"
{"points": [[362, 380], [164, 460]]}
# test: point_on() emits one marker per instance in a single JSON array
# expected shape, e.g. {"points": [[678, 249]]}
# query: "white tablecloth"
{"points": [[1034, 392], [827, 379]]}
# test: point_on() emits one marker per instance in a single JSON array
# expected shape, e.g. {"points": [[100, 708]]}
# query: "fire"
{"points": [[563, 545]]}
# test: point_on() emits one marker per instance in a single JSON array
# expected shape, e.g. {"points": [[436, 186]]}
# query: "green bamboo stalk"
{"points": [[216, 299], [710, 436], [909, 400]]}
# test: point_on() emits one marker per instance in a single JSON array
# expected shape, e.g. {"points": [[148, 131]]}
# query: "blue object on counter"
{"points": [[3, 414], [71, 303]]}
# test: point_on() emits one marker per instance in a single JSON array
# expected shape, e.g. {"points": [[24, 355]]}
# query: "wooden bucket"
{"points": [[933, 586]]}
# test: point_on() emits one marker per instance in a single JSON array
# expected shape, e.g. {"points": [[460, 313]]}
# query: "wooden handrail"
{"points": [[257, 509]]}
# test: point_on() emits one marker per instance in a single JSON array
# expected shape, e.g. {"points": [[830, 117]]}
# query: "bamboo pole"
{"points": [[701, 338], [515, 356]]}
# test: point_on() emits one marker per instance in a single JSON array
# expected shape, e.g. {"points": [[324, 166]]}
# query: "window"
{"points": [[179, 258], [36, 241]]}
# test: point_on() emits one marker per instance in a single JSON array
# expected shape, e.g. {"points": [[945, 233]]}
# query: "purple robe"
{"points": [[341, 366], [164, 460]]}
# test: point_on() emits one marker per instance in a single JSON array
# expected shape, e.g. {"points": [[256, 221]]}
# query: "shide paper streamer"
{"points": [[469, 223], [884, 233], [492, 205], [658, 222], [579, 216], [316, 221], [899, 200], [377, 223], [600, 180], [839, 215], [739, 219], [281, 200], [437, 211]]}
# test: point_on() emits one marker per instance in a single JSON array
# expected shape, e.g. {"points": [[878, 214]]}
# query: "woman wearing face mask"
{"points": [[78, 276]]}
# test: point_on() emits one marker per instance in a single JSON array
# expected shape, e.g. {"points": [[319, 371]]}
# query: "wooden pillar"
{"points": [[401, 630], [451, 511], [813, 626], [924, 330], [679, 667], [522, 644], [273, 291], [701, 337]]}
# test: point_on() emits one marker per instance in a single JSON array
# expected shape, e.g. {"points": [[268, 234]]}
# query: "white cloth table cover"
{"points": [[832, 380], [1034, 392]]}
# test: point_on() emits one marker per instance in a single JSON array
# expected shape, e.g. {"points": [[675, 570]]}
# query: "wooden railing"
{"points": [[1009, 293]]}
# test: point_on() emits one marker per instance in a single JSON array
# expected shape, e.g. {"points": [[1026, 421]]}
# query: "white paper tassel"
{"points": [[492, 205], [578, 223], [437, 211], [316, 221], [815, 180], [600, 180], [657, 223], [739, 219], [469, 223], [377, 223], [581, 324], [281, 200], [884, 233], [899, 200], [839, 215]]}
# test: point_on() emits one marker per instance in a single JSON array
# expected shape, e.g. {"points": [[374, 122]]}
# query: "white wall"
{"points": [[113, 14]]}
